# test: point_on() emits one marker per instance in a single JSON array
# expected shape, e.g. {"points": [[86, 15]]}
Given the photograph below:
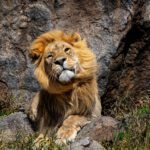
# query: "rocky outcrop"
{"points": [[15, 126], [103, 23], [99, 130], [129, 78], [85, 144]]}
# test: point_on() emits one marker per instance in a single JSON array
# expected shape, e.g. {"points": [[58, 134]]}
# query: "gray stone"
{"points": [[23, 25], [100, 129], [94, 145], [102, 23], [14, 126], [85, 142], [147, 11]]}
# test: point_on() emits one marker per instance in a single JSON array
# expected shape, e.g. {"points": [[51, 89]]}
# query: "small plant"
{"points": [[7, 105]]}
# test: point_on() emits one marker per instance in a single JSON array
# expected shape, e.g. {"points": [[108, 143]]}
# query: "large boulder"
{"points": [[102, 23], [92, 135], [14, 127]]}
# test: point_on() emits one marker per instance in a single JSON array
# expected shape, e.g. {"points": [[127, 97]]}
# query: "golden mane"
{"points": [[38, 45], [86, 57]]}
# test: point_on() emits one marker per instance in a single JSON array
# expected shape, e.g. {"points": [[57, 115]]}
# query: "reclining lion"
{"points": [[66, 70]]}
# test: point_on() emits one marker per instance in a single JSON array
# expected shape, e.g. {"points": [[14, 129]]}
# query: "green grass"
{"points": [[134, 133], [27, 143]]}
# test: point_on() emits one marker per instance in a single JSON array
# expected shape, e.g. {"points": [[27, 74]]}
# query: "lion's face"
{"points": [[60, 62]]}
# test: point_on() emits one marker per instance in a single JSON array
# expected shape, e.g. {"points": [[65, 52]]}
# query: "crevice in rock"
{"points": [[130, 70]]}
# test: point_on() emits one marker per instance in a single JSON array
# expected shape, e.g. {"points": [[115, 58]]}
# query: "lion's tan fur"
{"points": [[56, 102]]}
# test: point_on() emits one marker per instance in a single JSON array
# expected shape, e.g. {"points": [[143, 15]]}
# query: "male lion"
{"points": [[66, 70]]}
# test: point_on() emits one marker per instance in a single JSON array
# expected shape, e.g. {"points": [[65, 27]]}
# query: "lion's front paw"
{"points": [[32, 114], [65, 135]]}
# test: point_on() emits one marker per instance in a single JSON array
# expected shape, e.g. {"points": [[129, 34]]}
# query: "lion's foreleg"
{"points": [[33, 110], [44, 133], [70, 127]]}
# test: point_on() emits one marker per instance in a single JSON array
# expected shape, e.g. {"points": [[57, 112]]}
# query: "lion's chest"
{"points": [[54, 107]]}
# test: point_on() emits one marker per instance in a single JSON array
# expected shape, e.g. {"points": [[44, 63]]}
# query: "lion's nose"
{"points": [[60, 61]]}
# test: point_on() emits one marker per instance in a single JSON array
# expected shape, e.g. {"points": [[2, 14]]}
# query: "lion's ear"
{"points": [[36, 50], [78, 41], [35, 57], [76, 37], [38, 46]]}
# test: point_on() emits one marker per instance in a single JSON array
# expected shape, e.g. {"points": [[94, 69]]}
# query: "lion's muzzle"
{"points": [[66, 74], [60, 61]]}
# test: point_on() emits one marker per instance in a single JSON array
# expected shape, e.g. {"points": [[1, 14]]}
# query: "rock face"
{"points": [[103, 23], [99, 130], [14, 126], [129, 77], [85, 144]]}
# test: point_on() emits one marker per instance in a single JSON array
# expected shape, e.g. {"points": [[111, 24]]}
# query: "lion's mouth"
{"points": [[66, 75], [70, 69]]}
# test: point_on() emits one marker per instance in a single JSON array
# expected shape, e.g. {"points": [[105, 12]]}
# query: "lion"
{"points": [[66, 69]]}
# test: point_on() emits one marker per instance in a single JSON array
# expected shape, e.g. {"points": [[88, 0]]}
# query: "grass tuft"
{"points": [[27, 143]]}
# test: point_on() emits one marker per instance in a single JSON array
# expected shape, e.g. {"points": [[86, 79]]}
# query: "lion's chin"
{"points": [[66, 76]]}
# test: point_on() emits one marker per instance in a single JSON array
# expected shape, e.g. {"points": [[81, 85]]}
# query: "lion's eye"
{"points": [[67, 49], [49, 56]]}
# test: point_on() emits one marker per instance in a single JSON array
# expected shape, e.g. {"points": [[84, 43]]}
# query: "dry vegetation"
{"points": [[27, 144], [7, 102], [134, 133]]}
